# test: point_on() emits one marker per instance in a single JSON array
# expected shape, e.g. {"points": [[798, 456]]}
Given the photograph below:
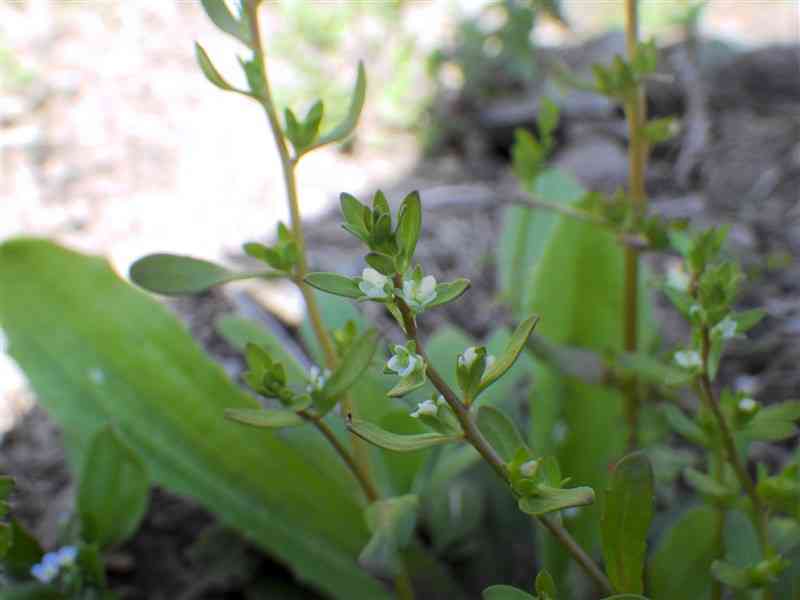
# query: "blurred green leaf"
{"points": [[449, 291], [502, 434], [392, 523], [627, 513], [210, 71], [409, 225], [505, 592], [353, 365], [61, 313], [509, 356], [175, 275], [774, 423], [343, 130], [113, 490], [549, 499], [219, 14]]}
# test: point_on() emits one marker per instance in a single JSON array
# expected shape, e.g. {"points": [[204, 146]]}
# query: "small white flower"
{"points": [[748, 405], [418, 294], [726, 329], [404, 362], [373, 284], [427, 408], [528, 469], [688, 359], [317, 378], [677, 278], [467, 358]]}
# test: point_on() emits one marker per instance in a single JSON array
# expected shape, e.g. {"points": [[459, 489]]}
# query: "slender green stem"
{"points": [[759, 514], [635, 112], [476, 439], [360, 456]]}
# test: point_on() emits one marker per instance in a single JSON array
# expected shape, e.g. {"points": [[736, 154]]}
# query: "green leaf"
{"points": [[450, 291], [506, 360], [272, 418], [708, 486], [547, 118], [381, 263], [505, 592], [627, 514], [731, 575], [113, 490], [219, 14], [552, 499], [399, 443], [175, 275], [356, 215], [210, 71], [6, 539], [353, 365], [408, 384], [684, 426], [409, 225], [502, 434], [334, 283], [691, 539], [774, 423], [343, 130], [392, 523], [528, 157], [25, 551], [32, 591], [92, 347], [545, 586], [625, 597]]}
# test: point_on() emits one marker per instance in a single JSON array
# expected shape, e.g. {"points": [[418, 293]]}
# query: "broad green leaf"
{"points": [[449, 291], [353, 364], [343, 130], [175, 275], [552, 499], [392, 523], [502, 434], [577, 286], [627, 513], [210, 71], [774, 423], [61, 314], [505, 592], [333, 283], [270, 418], [113, 490], [691, 539], [509, 356], [409, 225], [219, 14], [399, 443]]}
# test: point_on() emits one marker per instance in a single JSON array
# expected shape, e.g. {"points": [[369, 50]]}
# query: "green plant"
{"points": [[437, 405], [111, 501]]}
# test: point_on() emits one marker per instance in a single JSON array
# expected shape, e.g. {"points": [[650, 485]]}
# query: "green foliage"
{"points": [[392, 523], [627, 513], [167, 401], [396, 442], [112, 491]]}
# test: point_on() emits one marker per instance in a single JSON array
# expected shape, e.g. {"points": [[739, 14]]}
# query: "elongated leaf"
{"points": [[218, 12], [210, 71], [505, 592], [392, 523], [553, 499], [409, 224], [774, 423], [174, 275], [399, 443], [354, 363], [450, 291], [343, 130], [94, 348], [627, 514], [507, 359], [113, 490], [334, 283], [691, 539], [502, 434], [545, 586], [272, 418], [32, 591]]}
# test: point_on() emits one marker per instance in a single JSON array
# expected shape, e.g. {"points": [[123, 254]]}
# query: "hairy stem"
{"points": [[635, 112], [359, 458], [476, 439]]}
